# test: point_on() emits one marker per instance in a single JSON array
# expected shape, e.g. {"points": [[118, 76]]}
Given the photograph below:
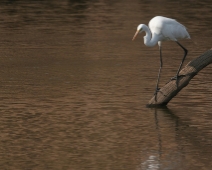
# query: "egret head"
{"points": [[139, 30]]}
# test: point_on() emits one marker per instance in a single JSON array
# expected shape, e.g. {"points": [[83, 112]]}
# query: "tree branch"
{"points": [[167, 92]]}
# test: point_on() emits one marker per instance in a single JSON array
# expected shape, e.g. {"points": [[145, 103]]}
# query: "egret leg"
{"points": [[161, 65], [185, 54]]}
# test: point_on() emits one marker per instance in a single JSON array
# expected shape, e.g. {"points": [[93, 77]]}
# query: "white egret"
{"points": [[163, 29]]}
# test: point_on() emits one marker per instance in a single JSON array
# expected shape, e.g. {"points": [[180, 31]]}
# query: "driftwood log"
{"points": [[167, 92]]}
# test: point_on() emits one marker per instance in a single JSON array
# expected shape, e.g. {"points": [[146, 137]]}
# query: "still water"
{"points": [[74, 87]]}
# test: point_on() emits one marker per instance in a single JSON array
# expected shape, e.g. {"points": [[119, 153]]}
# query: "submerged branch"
{"points": [[167, 92]]}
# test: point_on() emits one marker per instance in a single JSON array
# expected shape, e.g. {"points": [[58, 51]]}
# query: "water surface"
{"points": [[74, 87]]}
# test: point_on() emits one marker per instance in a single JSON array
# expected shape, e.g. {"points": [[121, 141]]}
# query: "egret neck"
{"points": [[150, 40]]}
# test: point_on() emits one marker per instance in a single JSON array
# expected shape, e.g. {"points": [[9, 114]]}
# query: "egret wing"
{"points": [[168, 28]]}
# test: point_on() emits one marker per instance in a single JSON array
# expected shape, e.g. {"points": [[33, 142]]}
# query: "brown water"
{"points": [[74, 87]]}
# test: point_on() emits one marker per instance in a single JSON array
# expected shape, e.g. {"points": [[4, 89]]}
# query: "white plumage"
{"points": [[168, 28], [163, 29]]}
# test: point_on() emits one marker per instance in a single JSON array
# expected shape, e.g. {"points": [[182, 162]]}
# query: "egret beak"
{"points": [[136, 33]]}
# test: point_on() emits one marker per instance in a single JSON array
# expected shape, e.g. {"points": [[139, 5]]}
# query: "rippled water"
{"points": [[74, 87]]}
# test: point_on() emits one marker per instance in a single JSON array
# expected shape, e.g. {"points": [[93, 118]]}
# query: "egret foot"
{"points": [[156, 92], [177, 78]]}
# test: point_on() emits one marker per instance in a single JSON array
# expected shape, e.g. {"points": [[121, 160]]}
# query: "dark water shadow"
{"points": [[188, 138]]}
